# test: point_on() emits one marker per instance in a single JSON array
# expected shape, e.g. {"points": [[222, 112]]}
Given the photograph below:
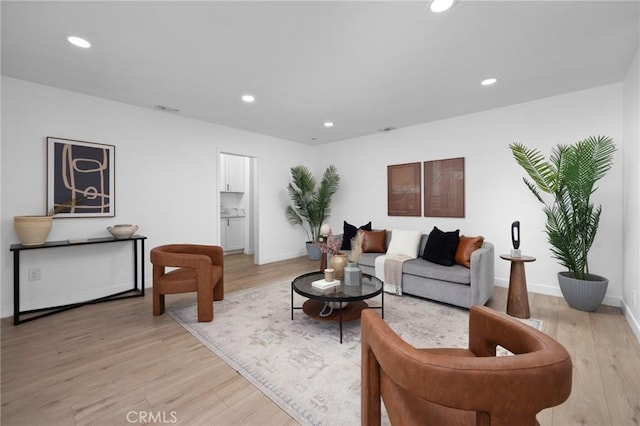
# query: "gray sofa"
{"points": [[455, 285]]}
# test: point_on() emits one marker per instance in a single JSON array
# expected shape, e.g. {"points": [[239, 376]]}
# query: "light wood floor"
{"points": [[116, 364]]}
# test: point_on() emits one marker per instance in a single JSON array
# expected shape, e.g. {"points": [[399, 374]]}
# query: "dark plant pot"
{"points": [[584, 295], [313, 251]]}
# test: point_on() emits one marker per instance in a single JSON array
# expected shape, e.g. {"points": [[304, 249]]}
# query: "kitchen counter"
{"points": [[227, 212]]}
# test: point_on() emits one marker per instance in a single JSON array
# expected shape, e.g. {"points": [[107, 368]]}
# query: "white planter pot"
{"points": [[32, 230]]}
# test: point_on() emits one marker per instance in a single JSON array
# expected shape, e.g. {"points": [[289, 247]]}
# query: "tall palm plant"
{"points": [[310, 206], [569, 176]]}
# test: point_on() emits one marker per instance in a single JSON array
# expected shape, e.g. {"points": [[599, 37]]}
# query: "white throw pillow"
{"points": [[405, 242]]}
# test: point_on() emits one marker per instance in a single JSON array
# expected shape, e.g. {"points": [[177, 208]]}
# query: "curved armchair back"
{"points": [[463, 386], [200, 268]]}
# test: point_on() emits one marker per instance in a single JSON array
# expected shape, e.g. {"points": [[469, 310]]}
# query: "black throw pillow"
{"points": [[349, 232], [441, 247]]}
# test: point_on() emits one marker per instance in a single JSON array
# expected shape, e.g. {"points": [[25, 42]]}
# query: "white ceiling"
{"points": [[363, 65]]}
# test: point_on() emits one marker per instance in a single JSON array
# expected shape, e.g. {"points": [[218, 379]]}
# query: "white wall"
{"points": [[631, 205], [166, 175], [495, 193], [166, 182]]}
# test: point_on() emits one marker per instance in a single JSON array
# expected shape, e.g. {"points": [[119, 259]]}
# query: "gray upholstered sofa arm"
{"points": [[482, 274]]}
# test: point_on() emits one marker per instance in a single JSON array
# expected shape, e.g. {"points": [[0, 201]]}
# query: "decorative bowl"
{"points": [[32, 230], [122, 232]]}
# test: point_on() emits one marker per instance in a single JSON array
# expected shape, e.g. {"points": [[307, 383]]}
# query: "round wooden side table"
{"points": [[518, 299]]}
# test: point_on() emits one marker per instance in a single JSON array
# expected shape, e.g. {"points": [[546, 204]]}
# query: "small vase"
{"points": [[352, 274], [338, 263]]}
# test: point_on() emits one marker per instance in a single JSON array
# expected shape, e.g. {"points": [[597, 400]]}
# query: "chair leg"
{"points": [[218, 291], [370, 405], [158, 298], [205, 304], [158, 302]]}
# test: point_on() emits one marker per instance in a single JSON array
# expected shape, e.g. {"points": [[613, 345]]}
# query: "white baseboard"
{"points": [[533, 288], [633, 321], [228, 252], [284, 256], [78, 297], [555, 291]]}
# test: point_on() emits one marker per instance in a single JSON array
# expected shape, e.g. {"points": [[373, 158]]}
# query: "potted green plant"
{"points": [[311, 204], [569, 176]]}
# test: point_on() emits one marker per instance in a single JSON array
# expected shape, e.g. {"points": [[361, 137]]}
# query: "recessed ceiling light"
{"points": [[80, 42], [248, 98], [328, 124], [438, 6], [489, 81]]}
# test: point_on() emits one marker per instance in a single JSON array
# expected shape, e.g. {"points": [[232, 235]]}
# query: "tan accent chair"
{"points": [[463, 386], [200, 269]]}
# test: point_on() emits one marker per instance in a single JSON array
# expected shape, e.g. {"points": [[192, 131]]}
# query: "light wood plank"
{"points": [[617, 353]]}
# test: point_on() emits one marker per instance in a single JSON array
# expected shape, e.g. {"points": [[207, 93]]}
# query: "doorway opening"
{"points": [[237, 196]]}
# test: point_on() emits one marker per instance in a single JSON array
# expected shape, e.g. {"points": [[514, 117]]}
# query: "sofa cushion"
{"points": [[349, 232], [374, 241], [368, 259], [404, 242], [423, 243], [441, 247], [423, 268], [466, 246]]}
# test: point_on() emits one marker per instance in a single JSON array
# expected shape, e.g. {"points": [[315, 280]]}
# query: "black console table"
{"points": [[136, 291]]}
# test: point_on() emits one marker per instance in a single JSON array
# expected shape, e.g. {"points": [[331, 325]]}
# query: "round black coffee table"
{"points": [[354, 295]]}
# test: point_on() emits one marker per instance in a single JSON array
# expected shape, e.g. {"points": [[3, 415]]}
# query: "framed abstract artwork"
{"points": [[404, 191], [80, 178], [444, 188]]}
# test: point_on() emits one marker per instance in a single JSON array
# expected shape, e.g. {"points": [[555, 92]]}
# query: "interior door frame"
{"points": [[253, 202]]}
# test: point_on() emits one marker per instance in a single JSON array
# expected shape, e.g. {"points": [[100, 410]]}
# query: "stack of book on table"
{"points": [[323, 284]]}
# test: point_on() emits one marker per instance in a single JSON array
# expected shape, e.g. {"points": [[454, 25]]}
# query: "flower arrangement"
{"points": [[65, 206], [356, 245], [331, 245]]}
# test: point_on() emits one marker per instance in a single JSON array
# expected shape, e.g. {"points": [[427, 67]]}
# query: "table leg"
{"points": [[16, 287], [518, 299], [142, 265], [340, 322], [135, 265]]}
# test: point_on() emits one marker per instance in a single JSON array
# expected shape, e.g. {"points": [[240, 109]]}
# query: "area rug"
{"points": [[300, 363]]}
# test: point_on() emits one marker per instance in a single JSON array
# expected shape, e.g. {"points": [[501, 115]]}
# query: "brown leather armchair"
{"points": [[463, 386], [200, 269]]}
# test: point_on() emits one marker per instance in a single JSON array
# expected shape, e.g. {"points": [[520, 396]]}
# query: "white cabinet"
{"points": [[231, 173], [235, 233], [232, 233]]}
